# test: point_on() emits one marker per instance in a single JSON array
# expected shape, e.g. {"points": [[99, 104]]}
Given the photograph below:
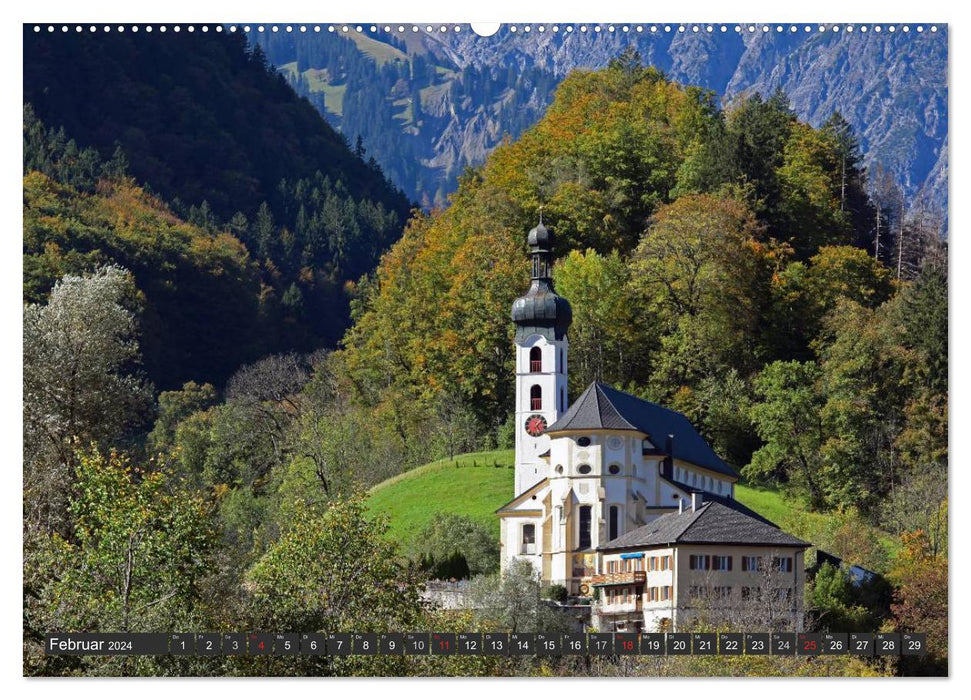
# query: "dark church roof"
{"points": [[601, 407], [541, 311], [717, 521], [539, 237]]}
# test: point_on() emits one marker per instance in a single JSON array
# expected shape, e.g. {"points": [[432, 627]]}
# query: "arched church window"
{"points": [[562, 399], [536, 398], [529, 539], [536, 360]]}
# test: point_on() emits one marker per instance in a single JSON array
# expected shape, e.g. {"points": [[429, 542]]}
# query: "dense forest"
{"points": [[195, 150], [732, 265]]}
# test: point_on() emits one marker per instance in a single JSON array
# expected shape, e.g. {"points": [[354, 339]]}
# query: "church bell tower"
{"points": [[542, 318]]}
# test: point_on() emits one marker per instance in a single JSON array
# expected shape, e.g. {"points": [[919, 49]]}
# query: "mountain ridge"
{"points": [[891, 87]]}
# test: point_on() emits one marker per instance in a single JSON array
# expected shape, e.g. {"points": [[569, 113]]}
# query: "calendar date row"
{"points": [[490, 643]]}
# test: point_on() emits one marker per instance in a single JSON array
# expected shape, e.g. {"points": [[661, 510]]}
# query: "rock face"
{"points": [[471, 91]]}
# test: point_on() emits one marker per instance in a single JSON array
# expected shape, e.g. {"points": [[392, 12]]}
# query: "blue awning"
{"points": [[632, 556]]}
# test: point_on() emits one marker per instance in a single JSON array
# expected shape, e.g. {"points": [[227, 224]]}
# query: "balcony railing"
{"points": [[619, 578], [535, 365], [620, 607]]}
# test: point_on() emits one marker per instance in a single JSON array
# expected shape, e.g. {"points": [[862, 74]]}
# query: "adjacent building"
{"points": [[611, 489]]}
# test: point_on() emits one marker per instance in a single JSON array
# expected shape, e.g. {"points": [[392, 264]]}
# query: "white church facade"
{"points": [[593, 476]]}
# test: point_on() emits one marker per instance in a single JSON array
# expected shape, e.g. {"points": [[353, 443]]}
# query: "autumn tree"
{"points": [[80, 382], [139, 549], [698, 271], [787, 419], [921, 600], [610, 341], [333, 569]]}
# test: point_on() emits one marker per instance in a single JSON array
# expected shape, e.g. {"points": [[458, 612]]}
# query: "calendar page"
{"points": [[566, 349]]}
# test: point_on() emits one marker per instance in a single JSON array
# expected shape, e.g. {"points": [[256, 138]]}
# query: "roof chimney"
{"points": [[697, 500], [667, 470]]}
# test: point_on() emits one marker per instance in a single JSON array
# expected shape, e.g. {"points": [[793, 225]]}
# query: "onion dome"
{"points": [[541, 311], [539, 237]]}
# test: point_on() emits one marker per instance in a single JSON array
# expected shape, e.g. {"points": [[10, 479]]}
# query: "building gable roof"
{"points": [[601, 407], [715, 522], [531, 491]]}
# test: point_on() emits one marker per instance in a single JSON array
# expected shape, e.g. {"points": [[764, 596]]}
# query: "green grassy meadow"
{"points": [[476, 484]]}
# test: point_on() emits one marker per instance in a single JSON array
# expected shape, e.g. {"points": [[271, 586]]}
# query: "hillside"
{"points": [[472, 91], [199, 117], [477, 484], [474, 484], [216, 139], [175, 265]]}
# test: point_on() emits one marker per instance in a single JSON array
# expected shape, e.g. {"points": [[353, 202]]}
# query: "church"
{"points": [[621, 500]]}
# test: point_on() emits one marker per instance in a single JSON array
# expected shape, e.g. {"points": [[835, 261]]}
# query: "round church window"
{"points": [[583, 442], [584, 469], [614, 469]]}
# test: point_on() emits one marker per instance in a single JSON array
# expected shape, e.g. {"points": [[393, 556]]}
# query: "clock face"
{"points": [[536, 425]]}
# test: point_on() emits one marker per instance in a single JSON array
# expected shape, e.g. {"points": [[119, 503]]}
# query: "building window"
{"points": [[750, 592], [698, 592], [536, 360], [562, 399], [721, 592], [536, 398], [611, 567], [699, 562], [614, 469], [562, 365], [638, 565], [782, 564], [751, 564], [614, 526], [585, 513], [529, 539], [665, 592], [583, 442], [584, 469], [721, 563], [666, 563]]}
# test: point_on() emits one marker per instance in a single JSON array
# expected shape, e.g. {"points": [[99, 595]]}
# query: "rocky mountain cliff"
{"points": [[428, 104]]}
